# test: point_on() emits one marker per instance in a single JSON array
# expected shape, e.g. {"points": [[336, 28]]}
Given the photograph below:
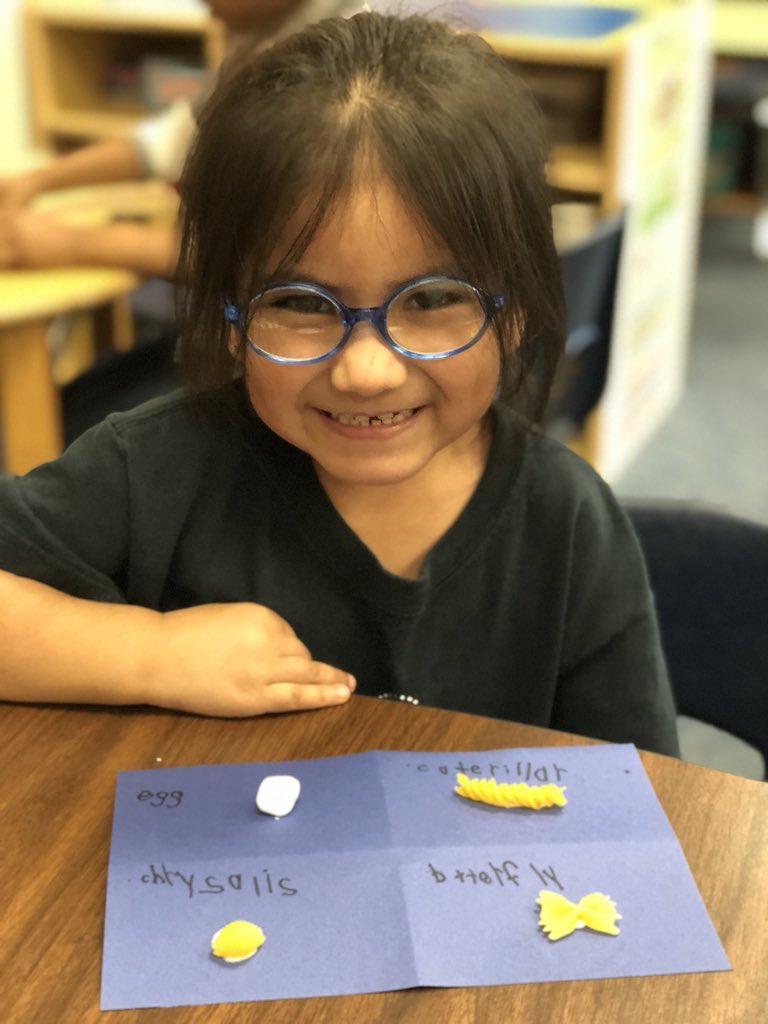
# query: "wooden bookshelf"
{"points": [[74, 50], [627, 109], [580, 85], [740, 45]]}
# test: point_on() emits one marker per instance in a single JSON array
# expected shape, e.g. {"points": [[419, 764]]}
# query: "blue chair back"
{"points": [[590, 273], [709, 574]]}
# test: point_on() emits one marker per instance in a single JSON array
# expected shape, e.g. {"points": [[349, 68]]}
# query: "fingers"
{"points": [[300, 684], [298, 697], [309, 673]]}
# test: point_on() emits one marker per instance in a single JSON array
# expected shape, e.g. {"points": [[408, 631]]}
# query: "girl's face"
{"points": [[368, 246]]}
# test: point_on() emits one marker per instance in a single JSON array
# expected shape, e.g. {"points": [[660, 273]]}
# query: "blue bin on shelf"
{"points": [[551, 20]]}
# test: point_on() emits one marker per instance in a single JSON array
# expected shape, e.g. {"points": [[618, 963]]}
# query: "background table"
{"points": [[57, 774], [30, 414]]}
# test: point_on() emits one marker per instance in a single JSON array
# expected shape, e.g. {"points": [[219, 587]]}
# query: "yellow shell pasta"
{"points": [[237, 941]]}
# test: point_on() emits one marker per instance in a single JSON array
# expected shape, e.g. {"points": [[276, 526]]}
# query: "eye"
{"points": [[435, 297], [303, 303]]}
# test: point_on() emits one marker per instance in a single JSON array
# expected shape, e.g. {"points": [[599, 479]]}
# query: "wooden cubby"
{"points": [[627, 111], [740, 44], [579, 84], [72, 46]]}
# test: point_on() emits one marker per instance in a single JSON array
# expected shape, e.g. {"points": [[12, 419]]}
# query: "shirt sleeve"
{"points": [[66, 523], [163, 142], [613, 682]]}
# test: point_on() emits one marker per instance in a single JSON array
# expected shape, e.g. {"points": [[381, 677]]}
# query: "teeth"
{"points": [[384, 419]]}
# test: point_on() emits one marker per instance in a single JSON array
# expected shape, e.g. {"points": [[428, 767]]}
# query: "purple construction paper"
{"points": [[157, 951], [339, 808], [383, 878], [608, 792], [488, 914]]}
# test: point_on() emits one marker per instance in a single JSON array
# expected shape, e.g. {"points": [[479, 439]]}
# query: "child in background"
{"points": [[156, 149], [344, 498]]}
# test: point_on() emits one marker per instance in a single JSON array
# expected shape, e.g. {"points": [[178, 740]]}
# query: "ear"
{"points": [[236, 345], [513, 330], [518, 328]]}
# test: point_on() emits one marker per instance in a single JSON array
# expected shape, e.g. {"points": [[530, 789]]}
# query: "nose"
{"points": [[367, 365]]}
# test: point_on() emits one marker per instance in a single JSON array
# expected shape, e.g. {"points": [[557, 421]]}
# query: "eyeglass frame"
{"points": [[353, 315]]}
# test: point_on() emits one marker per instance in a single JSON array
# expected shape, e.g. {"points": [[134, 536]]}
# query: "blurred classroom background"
{"points": [[658, 115]]}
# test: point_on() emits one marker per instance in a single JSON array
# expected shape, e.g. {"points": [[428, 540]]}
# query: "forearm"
{"points": [[112, 160], [57, 648], [147, 249], [35, 240], [232, 659]]}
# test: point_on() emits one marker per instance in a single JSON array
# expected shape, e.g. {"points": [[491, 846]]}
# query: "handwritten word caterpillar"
{"points": [[510, 794]]}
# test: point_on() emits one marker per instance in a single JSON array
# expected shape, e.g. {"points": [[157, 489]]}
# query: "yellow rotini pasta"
{"points": [[510, 794]]}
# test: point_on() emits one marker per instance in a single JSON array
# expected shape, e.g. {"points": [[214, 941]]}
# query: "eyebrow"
{"points": [[292, 274]]}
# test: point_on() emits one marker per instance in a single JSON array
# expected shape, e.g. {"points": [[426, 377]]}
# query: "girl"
{"points": [[344, 497]]}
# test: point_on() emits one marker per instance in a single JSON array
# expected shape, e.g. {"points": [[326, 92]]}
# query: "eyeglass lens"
{"points": [[427, 318]]}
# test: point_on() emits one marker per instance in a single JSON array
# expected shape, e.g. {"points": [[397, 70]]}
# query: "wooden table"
{"points": [[30, 414], [57, 774]]}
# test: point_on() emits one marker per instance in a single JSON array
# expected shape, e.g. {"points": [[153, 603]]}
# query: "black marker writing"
{"points": [[162, 798], [546, 875], [523, 771], [502, 874], [263, 884]]}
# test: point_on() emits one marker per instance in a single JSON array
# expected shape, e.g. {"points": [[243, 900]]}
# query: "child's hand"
{"points": [[238, 660], [29, 239], [17, 190]]}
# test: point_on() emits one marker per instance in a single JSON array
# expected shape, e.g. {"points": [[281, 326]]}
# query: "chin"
{"points": [[366, 473]]}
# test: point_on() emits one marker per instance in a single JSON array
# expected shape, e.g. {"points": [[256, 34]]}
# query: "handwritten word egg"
{"points": [[237, 941], [277, 795]]}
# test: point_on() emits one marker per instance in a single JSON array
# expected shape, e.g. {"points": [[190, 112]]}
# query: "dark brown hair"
{"points": [[446, 120]]}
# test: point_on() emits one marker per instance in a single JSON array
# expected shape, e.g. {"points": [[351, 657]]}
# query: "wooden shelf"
{"points": [[740, 29], [74, 49], [737, 204], [122, 17], [740, 44], [578, 169], [89, 124], [626, 113], [579, 83]]}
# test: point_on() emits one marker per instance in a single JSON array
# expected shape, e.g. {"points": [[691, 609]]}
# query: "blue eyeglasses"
{"points": [[424, 318]]}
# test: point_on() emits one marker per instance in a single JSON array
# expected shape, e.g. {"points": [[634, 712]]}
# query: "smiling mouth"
{"points": [[382, 419]]}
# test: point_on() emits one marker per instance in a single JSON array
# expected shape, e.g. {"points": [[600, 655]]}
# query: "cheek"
{"points": [[479, 374], [275, 392], [264, 392]]}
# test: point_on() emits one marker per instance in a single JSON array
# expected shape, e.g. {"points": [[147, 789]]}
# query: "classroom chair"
{"points": [[709, 574], [590, 274]]}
